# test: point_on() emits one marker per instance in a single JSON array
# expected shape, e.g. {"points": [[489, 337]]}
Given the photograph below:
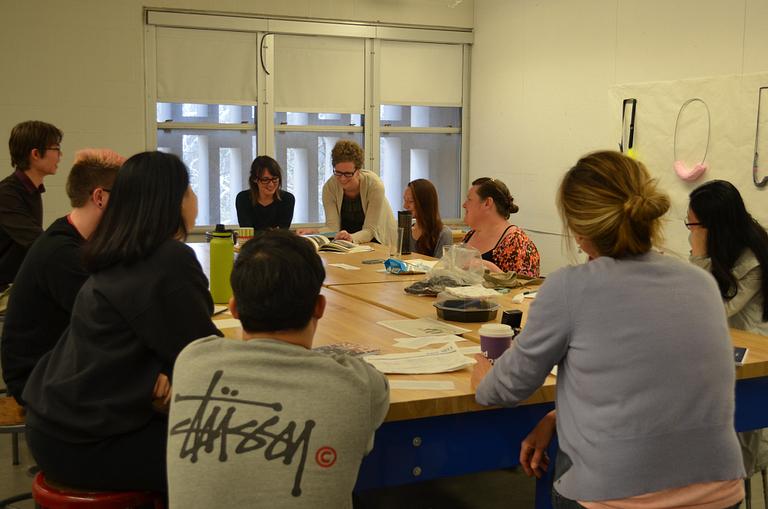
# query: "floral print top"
{"points": [[514, 251]]}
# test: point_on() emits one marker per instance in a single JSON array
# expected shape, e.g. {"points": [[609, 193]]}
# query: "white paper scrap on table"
{"points": [[423, 327], [442, 360], [343, 266], [219, 309], [469, 350], [472, 292], [422, 341], [229, 323], [554, 371], [438, 385]]}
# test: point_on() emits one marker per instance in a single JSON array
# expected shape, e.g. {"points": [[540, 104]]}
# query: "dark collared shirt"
{"points": [[21, 222]]}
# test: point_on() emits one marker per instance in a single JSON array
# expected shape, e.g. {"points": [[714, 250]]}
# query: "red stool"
{"points": [[52, 495]]}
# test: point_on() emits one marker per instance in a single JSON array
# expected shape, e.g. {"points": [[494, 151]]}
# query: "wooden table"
{"points": [[335, 275], [393, 298], [434, 434]]}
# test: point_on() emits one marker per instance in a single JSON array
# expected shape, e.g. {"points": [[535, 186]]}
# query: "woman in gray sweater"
{"points": [[645, 383]]}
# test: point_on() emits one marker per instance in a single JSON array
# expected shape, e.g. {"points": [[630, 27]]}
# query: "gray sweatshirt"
{"points": [[645, 383], [263, 423]]}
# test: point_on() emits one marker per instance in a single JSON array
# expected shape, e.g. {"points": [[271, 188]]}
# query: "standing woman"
{"points": [[90, 421], [354, 201], [729, 243], [505, 247], [265, 204], [428, 234], [645, 373]]}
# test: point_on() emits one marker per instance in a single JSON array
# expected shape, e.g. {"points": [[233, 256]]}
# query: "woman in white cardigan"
{"points": [[354, 200]]}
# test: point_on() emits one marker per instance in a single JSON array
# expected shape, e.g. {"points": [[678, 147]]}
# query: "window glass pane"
{"points": [[410, 156], [419, 116], [206, 113], [305, 157], [219, 163], [330, 119]]}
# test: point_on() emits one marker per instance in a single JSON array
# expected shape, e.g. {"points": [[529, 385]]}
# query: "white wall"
{"points": [[79, 64], [541, 71]]}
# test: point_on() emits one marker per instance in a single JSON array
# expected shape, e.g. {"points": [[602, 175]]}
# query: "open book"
{"points": [[323, 243]]}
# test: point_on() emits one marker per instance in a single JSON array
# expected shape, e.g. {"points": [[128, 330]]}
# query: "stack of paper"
{"points": [[442, 360]]}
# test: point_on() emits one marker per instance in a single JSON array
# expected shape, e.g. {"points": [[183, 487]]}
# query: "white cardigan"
{"points": [[378, 214]]}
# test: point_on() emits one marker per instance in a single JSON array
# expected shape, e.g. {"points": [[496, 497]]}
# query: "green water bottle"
{"points": [[222, 259]]}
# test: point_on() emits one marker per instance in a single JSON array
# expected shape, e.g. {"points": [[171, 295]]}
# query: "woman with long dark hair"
{"points": [[728, 242], [428, 234], [265, 204], [90, 420]]}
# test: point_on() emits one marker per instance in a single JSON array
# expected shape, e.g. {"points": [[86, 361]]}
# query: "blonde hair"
{"points": [[612, 201], [347, 151]]}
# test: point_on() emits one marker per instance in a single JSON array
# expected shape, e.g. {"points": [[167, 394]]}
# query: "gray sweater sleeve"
{"points": [[540, 346]]}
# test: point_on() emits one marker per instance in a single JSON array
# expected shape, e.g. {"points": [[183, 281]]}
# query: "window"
{"points": [[314, 84], [421, 142], [219, 160]]}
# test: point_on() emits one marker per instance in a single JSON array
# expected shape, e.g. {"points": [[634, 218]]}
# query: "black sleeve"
{"points": [[244, 209], [181, 315], [285, 215], [16, 220]]}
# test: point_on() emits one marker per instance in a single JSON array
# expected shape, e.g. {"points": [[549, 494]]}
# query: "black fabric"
{"points": [[488, 255], [352, 214], [128, 324], [132, 461], [21, 223], [277, 214], [41, 302]]}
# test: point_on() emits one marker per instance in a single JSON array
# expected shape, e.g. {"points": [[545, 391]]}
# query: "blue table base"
{"points": [[433, 447]]}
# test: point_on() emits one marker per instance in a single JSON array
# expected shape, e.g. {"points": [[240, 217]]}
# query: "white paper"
{"points": [[343, 266], [469, 350], [422, 341], [442, 360], [229, 323], [472, 292], [423, 385], [218, 310], [423, 327]]}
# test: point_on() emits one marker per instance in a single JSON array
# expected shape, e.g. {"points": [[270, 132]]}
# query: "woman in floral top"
{"points": [[505, 247]]}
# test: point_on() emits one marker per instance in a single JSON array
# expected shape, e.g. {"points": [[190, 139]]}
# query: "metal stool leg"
{"points": [[15, 447], [764, 474], [748, 492]]}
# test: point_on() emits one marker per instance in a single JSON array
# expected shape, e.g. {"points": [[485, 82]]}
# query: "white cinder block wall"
{"points": [[540, 77]]}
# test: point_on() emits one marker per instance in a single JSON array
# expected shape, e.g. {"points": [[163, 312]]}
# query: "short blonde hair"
{"points": [[612, 201], [347, 151]]}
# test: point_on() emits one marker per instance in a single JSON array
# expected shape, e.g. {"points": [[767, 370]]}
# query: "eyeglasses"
{"points": [[345, 174], [688, 225], [273, 180], [58, 149]]}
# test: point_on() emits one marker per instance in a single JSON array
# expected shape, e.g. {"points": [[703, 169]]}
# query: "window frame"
{"points": [[265, 109]]}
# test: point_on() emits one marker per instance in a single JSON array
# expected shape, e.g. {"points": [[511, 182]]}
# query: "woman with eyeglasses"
{"points": [[645, 381], [353, 199], [265, 205], [505, 247], [730, 244], [428, 235]]}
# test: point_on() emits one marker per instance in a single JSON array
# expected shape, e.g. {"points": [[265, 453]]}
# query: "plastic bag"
{"points": [[461, 265]]}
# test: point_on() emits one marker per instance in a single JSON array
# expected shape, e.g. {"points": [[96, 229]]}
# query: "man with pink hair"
{"points": [[44, 291]]}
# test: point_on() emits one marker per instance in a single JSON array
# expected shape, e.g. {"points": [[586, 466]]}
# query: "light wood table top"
{"points": [[349, 319], [393, 298], [336, 275]]}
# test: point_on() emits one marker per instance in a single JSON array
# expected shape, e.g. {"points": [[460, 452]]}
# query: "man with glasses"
{"points": [[50, 277], [35, 153]]}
